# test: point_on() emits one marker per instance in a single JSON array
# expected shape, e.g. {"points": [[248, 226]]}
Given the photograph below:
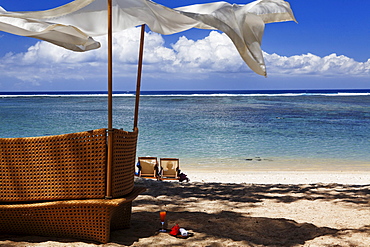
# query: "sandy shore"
{"points": [[279, 177], [268, 209]]}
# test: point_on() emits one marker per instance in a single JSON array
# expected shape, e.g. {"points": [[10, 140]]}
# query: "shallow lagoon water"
{"points": [[214, 129]]}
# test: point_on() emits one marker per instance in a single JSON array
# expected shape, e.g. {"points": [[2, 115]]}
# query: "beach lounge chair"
{"points": [[170, 168], [148, 167]]}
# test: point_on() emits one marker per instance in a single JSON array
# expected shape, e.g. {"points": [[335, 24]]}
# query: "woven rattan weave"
{"points": [[69, 166], [91, 219], [124, 156]]}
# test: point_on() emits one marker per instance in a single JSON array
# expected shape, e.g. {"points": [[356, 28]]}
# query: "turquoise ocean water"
{"points": [[254, 130]]}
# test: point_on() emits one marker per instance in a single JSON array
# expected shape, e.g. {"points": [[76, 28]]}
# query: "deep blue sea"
{"points": [[256, 130]]}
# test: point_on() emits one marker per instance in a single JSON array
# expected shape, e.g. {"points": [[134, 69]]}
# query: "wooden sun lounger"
{"points": [[148, 167], [169, 168]]}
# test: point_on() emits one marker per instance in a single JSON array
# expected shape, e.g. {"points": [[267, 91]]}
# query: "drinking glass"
{"points": [[162, 215]]}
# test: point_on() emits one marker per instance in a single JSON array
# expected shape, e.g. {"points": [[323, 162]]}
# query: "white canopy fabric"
{"points": [[72, 25], [244, 24], [69, 37]]}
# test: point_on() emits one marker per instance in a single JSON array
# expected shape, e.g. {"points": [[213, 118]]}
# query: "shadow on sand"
{"points": [[254, 230], [284, 193], [226, 225]]}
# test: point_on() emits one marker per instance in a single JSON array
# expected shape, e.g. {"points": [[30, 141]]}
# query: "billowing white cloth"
{"points": [[244, 24], [71, 25], [69, 37]]}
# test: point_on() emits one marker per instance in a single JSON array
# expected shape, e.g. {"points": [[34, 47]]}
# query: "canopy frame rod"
{"points": [[109, 170], [139, 72]]}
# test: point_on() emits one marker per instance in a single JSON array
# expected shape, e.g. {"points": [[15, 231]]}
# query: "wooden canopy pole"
{"points": [[110, 105], [139, 71]]}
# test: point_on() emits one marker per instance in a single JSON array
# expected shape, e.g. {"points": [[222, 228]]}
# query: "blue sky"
{"points": [[327, 49]]}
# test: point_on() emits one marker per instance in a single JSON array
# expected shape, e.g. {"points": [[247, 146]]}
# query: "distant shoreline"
{"points": [[309, 92]]}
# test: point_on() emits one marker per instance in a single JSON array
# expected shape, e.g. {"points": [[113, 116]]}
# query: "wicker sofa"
{"points": [[56, 185]]}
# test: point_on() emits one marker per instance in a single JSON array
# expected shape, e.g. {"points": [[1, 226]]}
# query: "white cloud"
{"points": [[213, 53], [186, 58], [309, 64]]}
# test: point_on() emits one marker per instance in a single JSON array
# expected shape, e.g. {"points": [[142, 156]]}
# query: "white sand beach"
{"points": [[279, 177], [258, 208]]}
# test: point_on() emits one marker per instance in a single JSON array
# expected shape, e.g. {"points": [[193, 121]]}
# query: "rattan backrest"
{"points": [[124, 156], [69, 166], [57, 167]]}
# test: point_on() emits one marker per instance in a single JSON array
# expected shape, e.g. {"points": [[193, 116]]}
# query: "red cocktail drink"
{"points": [[162, 216]]}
